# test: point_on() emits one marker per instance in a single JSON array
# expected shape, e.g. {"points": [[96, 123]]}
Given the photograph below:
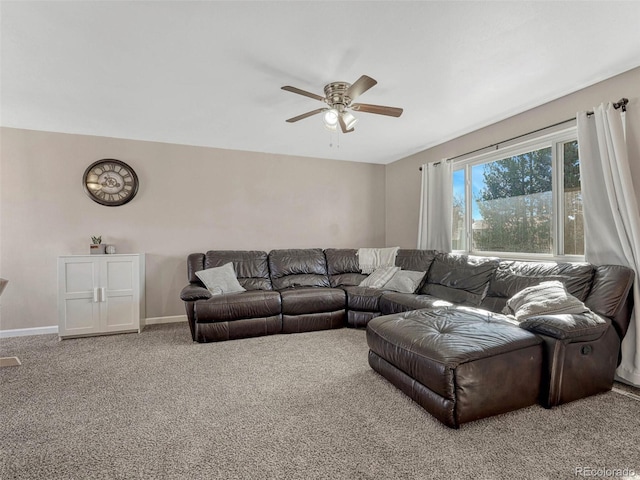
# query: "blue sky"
{"points": [[477, 184]]}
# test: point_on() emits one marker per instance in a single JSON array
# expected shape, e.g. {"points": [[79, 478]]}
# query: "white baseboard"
{"points": [[160, 320], [22, 332]]}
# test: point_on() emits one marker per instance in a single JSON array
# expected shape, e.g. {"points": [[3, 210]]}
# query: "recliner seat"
{"points": [[308, 300], [252, 313]]}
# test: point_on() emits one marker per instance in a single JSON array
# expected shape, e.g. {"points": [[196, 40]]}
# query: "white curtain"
{"points": [[611, 208], [436, 206]]}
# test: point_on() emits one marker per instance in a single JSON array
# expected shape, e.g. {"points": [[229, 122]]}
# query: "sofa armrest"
{"points": [[577, 327], [194, 292]]}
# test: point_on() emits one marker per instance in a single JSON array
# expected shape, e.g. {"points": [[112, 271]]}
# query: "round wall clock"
{"points": [[110, 182]]}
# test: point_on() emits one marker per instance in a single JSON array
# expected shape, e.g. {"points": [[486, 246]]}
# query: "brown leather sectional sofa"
{"points": [[447, 346]]}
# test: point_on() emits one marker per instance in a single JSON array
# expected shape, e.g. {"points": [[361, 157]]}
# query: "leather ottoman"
{"points": [[459, 363]]}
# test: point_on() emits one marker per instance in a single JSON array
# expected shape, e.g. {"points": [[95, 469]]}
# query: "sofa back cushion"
{"points": [[611, 295], [415, 260], [195, 263], [343, 267], [460, 279], [513, 276], [298, 268], [251, 266]]}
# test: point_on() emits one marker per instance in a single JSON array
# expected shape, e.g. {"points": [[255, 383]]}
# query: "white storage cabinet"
{"points": [[100, 294]]}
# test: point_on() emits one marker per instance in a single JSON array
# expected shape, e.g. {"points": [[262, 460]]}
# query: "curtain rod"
{"points": [[622, 103]]}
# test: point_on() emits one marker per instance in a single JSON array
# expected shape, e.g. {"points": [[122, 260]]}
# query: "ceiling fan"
{"points": [[338, 97]]}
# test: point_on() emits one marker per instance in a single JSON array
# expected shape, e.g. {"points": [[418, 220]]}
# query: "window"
{"points": [[522, 200]]}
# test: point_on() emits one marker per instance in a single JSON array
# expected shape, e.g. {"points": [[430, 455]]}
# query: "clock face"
{"points": [[110, 182]]}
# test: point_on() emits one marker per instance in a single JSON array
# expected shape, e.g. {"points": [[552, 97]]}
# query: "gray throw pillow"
{"points": [[379, 277], [219, 280], [548, 298], [405, 281]]}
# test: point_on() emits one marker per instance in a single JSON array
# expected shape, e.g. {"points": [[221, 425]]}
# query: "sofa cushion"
{"points": [[393, 302], [405, 281], [512, 276], [459, 278], [363, 299], [219, 280], [342, 266], [251, 266], [298, 268], [547, 298], [195, 262], [301, 301], [610, 291], [416, 260], [379, 277], [237, 306]]}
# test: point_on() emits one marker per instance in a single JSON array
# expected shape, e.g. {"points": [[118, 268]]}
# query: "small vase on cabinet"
{"points": [[97, 249]]}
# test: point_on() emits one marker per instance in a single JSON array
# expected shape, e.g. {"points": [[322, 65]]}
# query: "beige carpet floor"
{"points": [[156, 405]]}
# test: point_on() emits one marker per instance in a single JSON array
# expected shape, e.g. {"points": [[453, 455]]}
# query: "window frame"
{"points": [[554, 139]]}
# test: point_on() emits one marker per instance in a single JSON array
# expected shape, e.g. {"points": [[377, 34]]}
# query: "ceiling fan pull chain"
{"points": [[337, 136]]}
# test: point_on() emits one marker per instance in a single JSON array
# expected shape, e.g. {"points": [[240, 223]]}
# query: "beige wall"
{"points": [[403, 176], [191, 199], [194, 199]]}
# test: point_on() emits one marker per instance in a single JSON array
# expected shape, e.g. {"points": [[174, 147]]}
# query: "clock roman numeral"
{"points": [[110, 182]]}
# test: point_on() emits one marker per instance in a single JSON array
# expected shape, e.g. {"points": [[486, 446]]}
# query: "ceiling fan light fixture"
{"points": [[331, 119], [338, 98], [349, 120]]}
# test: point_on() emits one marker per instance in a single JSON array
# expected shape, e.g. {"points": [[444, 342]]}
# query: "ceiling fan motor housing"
{"points": [[336, 95]]}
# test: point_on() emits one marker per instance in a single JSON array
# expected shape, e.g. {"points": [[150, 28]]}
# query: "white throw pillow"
{"points": [[548, 298], [219, 280], [405, 281], [379, 277]]}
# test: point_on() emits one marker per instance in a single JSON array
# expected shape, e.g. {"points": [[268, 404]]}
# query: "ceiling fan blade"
{"points": [[303, 92], [378, 109], [360, 86], [343, 125], [305, 115]]}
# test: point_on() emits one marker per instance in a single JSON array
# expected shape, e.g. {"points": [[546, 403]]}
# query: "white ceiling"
{"points": [[209, 73]]}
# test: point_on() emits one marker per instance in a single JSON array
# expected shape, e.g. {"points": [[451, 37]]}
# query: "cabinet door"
{"points": [[119, 295], [78, 310]]}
